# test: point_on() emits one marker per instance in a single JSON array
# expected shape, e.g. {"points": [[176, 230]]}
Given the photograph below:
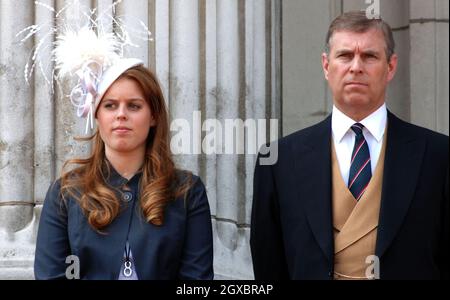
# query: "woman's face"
{"points": [[124, 118]]}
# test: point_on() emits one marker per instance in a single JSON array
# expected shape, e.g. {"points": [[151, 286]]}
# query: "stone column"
{"points": [[184, 79], [67, 125], [17, 141], [429, 64], [306, 97]]}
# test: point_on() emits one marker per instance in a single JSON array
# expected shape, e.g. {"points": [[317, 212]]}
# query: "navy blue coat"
{"points": [[292, 228], [181, 248]]}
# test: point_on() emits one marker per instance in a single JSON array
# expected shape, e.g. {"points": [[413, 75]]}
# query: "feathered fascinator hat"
{"points": [[90, 55]]}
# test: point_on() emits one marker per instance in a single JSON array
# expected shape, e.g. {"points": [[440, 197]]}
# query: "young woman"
{"points": [[126, 212]]}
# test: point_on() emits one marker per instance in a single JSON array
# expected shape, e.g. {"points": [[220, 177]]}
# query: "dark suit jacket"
{"points": [[292, 229], [180, 249]]}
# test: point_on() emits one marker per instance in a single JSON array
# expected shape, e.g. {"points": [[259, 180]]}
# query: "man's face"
{"points": [[358, 71]]}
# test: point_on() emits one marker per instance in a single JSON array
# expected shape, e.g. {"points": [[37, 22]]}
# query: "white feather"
{"points": [[74, 48]]}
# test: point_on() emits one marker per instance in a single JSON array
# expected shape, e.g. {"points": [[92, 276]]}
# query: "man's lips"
{"points": [[356, 83]]}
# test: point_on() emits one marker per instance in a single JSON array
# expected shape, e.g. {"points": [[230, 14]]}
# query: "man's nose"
{"points": [[357, 65]]}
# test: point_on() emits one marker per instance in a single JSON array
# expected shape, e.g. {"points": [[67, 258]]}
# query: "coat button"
{"points": [[127, 196]]}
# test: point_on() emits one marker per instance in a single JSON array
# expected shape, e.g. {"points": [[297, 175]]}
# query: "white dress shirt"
{"points": [[344, 137]]}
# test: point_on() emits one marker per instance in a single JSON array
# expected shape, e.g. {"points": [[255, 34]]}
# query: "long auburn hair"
{"points": [[159, 183]]}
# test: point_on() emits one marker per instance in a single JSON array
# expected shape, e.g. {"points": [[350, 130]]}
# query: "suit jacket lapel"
{"points": [[404, 154], [313, 179]]}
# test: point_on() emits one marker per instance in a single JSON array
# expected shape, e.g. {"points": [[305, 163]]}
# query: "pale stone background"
{"points": [[229, 59]]}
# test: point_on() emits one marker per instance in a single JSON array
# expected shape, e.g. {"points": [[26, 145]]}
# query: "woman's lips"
{"points": [[121, 129]]}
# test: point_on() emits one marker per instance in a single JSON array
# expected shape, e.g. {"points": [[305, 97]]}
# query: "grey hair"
{"points": [[357, 21]]}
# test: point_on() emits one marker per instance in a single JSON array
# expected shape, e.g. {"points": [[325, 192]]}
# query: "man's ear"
{"points": [[392, 67], [325, 65]]}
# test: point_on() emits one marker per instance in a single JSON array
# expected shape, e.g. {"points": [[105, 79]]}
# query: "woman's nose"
{"points": [[122, 112]]}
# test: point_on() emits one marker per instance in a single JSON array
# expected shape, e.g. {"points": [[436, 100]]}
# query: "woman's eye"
{"points": [[109, 105], [135, 106]]}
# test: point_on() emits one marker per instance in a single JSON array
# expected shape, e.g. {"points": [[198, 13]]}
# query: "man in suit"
{"points": [[363, 194]]}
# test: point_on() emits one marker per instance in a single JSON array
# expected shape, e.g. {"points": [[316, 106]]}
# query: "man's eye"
{"points": [[345, 55]]}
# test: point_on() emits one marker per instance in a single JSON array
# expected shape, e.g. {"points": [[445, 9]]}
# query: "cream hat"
{"points": [[95, 60], [87, 56], [111, 74]]}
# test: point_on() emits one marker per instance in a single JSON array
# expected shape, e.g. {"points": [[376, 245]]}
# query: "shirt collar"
{"points": [[114, 179], [375, 123]]}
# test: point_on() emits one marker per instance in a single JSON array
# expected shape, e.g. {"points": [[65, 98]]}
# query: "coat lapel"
{"points": [[404, 155], [313, 169]]}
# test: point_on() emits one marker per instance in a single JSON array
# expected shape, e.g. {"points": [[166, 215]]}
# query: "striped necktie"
{"points": [[360, 166]]}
